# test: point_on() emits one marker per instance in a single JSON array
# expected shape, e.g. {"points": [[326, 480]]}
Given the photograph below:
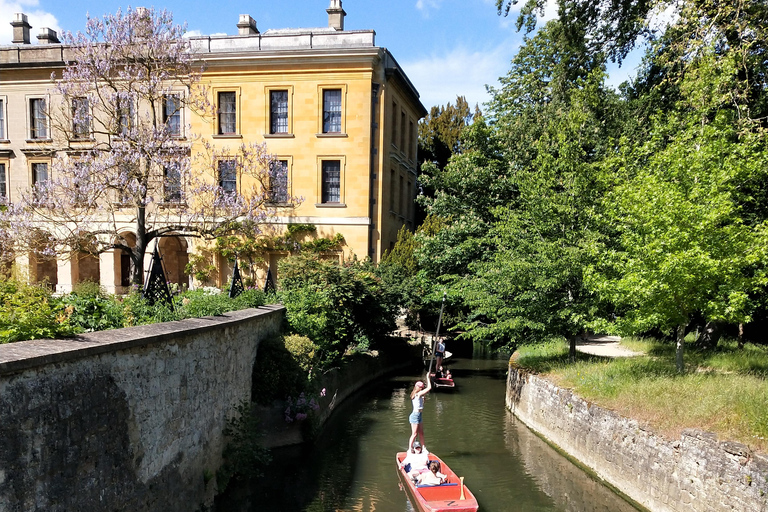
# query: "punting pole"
{"points": [[462, 488], [437, 333]]}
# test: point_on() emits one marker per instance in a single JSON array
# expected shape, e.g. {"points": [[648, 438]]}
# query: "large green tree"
{"points": [[689, 209]]}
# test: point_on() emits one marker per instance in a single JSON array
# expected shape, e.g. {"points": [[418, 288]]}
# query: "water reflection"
{"points": [[352, 467]]}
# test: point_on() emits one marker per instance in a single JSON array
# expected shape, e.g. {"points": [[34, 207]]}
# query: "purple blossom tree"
{"points": [[123, 158]]}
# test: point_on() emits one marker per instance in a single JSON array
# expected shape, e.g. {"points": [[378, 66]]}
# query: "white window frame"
{"points": [[4, 118], [289, 166], [28, 100], [342, 189], [238, 113], [321, 109], [181, 113], [268, 111]]}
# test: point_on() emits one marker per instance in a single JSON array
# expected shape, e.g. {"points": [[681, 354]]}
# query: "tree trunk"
{"points": [[142, 241], [741, 336], [572, 349], [680, 347]]}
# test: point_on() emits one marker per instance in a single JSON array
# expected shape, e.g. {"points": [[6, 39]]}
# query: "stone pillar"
{"points": [[64, 273], [107, 271]]}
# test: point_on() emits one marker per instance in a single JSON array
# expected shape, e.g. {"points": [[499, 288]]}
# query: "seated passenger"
{"points": [[433, 476], [416, 460]]}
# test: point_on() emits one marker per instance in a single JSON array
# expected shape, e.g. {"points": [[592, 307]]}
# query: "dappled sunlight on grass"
{"points": [[723, 391]]}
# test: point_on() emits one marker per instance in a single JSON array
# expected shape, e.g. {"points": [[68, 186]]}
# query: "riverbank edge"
{"points": [[338, 385], [696, 473]]}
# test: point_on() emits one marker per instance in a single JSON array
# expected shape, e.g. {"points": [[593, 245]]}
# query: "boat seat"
{"points": [[438, 485]]}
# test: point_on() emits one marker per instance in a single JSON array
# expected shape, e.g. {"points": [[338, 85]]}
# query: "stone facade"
{"points": [[129, 419], [696, 473]]}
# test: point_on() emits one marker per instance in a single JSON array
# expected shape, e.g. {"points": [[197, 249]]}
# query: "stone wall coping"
{"points": [[23, 355]]}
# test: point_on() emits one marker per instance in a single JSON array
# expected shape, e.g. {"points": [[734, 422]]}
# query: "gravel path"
{"points": [[606, 346]]}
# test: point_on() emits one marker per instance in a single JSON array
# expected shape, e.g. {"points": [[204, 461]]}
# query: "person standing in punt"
{"points": [[417, 399]]}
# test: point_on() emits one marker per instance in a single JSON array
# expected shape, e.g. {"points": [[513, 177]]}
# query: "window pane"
{"points": [[172, 114], [81, 122], [278, 182], [3, 182], [2, 120], [278, 101], [331, 181], [37, 121], [125, 115], [227, 175], [172, 184], [332, 111], [39, 177], [227, 112], [39, 173]]}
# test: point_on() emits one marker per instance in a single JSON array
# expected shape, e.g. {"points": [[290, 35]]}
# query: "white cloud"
{"points": [[426, 5], [36, 17], [460, 72]]}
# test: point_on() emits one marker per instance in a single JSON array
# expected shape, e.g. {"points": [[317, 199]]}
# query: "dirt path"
{"points": [[606, 346]]}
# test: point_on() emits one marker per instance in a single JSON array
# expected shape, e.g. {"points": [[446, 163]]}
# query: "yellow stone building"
{"points": [[338, 112]]}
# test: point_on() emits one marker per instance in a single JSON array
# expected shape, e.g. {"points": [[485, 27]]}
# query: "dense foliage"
{"points": [[572, 207], [33, 312], [338, 307]]}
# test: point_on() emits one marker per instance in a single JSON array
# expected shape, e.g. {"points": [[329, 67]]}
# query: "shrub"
{"points": [[303, 351], [336, 306], [29, 312], [91, 309]]}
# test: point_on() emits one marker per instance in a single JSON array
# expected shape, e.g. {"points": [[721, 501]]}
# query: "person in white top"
{"points": [[417, 399], [416, 460], [433, 476], [439, 353]]}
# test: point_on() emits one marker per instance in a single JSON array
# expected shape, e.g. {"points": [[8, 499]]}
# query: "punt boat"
{"points": [[442, 382], [451, 496]]}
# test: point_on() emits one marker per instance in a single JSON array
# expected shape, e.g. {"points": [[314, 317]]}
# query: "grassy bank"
{"points": [[722, 391]]}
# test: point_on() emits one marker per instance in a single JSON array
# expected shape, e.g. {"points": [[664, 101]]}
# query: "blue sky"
{"points": [[446, 47]]}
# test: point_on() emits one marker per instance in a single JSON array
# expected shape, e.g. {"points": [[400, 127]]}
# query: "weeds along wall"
{"points": [[128, 419], [695, 473]]}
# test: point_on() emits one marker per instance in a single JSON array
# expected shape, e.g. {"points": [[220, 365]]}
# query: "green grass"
{"points": [[722, 391]]}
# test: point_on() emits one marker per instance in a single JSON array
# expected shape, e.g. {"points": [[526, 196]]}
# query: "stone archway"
{"points": [[85, 267], [43, 267], [173, 250]]}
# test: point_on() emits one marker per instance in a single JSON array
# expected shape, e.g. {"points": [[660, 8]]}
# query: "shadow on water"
{"points": [[351, 466]]}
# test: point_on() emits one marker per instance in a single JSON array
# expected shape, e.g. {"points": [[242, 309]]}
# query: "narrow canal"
{"points": [[352, 465]]}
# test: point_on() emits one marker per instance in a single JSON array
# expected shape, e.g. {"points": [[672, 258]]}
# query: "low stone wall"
{"points": [[695, 473], [128, 419]]}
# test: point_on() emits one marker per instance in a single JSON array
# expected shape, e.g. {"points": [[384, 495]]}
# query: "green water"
{"points": [[352, 465]]}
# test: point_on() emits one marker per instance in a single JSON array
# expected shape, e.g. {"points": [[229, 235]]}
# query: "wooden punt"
{"points": [[438, 498], [442, 382]]}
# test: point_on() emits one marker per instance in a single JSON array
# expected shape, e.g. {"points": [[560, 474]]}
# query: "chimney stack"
{"points": [[247, 25], [47, 36], [20, 29], [336, 15]]}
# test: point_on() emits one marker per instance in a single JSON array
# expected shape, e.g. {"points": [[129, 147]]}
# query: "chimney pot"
{"points": [[20, 29], [47, 36], [336, 15], [247, 25]]}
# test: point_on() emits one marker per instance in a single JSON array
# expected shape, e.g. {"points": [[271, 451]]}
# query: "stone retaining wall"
{"points": [[128, 419], [696, 473]]}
